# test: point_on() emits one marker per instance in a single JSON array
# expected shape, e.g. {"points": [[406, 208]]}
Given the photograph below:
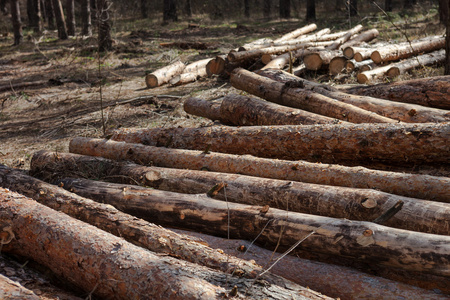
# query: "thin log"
{"points": [[10, 289], [372, 75], [280, 61], [255, 44], [361, 54], [112, 268], [296, 33], [410, 185], [319, 60], [323, 200], [338, 42], [197, 67], [397, 52], [349, 51], [203, 108], [432, 91], [163, 75], [316, 37], [365, 65], [406, 65], [337, 65], [395, 110], [365, 36], [251, 54], [292, 94], [184, 78], [365, 241]]}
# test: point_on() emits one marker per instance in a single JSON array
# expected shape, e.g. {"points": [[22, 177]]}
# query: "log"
{"points": [[397, 52], [365, 36], [361, 54], [256, 53], [337, 65], [319, 60], [350, 51], [288, 95], [203, 108], [409, 185], [372, 75], [163, 75], [365, 65], [198, 67], [111, 268], [297, 32], [364, 241], [395, 110], [256, 44], [109, 219], [323, 200], [184, 78], [216, 65], [431, 91], [280, 61], [10, 289], [338, 42], [406, 65], [304, 39]]}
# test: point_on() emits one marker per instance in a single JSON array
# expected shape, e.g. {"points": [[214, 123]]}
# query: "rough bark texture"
{"points": [[16, 22], [360, 143], [296, 33], [432, 91], [365, 65], [202, 108], [330, 201], [104, 25], [366, 241], [112, 268], [250, 54], [60, 20], [395, 110], [163, 75], [406, 65], [447, 41], [420, 186], [86, 23], [34, 15], [50, 14], [70, 11], [292, 94], [170, 11], [337, 44], [11, 290]]}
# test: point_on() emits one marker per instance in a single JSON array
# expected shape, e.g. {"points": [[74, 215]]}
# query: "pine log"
{"points": [[420, 186], [350, 51], [406, 65], [109, 219], [111, 268], [251, 54], [323, 200], [365, 65], [256, 44], [337, 65], [216, 65], [267, 58], [198, 67], [397, 52], [280, 61], [203, 108], [410, 113], [296, 33], [365, 36], [293, 95], [163, 75], [338, 42], [361, 54], [304, 39], [10, 290], [319, 60], [432, 91], [365, 241], [183, 78], [372, 75]]}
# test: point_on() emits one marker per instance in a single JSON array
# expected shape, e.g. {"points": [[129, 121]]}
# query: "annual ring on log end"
{"points": [[152, 176], [7, 235], [369, 203]]}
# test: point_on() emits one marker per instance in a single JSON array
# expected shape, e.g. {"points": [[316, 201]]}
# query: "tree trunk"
{"points": [[188, 8], [70, 11], [267, 9], [311, 10], [400, 111], [409, 4], [247, 8], [60, 21], [104, 26], [34, 15], [322, 200], [365, 241], [420, 186], [136, 231], [433, 58], [296, 33], [50, 13], [3, 7], [397, 52], [163, 75], [144, 9], [86, 18], [246, 111], [292, 94], [353, 7], [388, 5], [338, 42], [447, 42], [16, 22], [443, 11], [10, 289], [285, 9], [65, 245], [170, 11]]}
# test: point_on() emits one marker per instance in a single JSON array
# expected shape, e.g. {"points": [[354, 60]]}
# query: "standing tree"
{"points": [[34, 15], [388, 5], [447, 43], [310, 10], [104, 25], [443, 11], [408, 4], [50, 14], [266, 9], [16, 22], [60, 21], [170, 11], [247, 8], [144, 9], [70, 10], [3, 8], [353, 7], [285, 9], [188, 8], [86, 25]]}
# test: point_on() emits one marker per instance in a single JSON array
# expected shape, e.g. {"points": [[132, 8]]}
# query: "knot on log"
{"points": [[6, 235]]}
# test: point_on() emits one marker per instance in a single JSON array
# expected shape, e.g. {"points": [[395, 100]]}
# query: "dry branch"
{"points": [[163, 75], [292, 94], [421, 186], [323, 200]]}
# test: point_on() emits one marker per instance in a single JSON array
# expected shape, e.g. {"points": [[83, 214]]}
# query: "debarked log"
{"points": [[294, 95], [410, 185], [338, 42], [365, 36], [297, 32], [136, 231], [404, 66], [323, 200], [163, 75], [365, 241], [109, 267], [320, 59]]}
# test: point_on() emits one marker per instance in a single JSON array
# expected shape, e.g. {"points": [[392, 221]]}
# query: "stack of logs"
{"points": [[300, 50]]}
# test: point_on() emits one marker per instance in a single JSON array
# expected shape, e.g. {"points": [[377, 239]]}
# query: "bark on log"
{"points": [[362, 54], [136, 231], [282, 60], [395, 110], [365, 65], [319, 60], [251, 54], [406, 65], [365, 36], [255, 44], [163, 75], [304, 39], [289, 94], [365, 241], [372, 75], [203, 108], [10, 290], [397, 52], [337, 65], [111, 267], [421, 186], [198, 67], [323, 200], [432, 91], [296, 33], [338, 42], [350, 51], [183, 78]]}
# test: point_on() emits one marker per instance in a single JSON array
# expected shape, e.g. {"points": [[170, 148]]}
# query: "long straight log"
{"points": [[203, 108], [297, 32], [338, 42], [372, 75], [136, 231], [303, 39], [293, 95], [395, 110], [406, 65], [163, 75], [111, 268], [354, 143], [431, 91], [420, 186], [280, 61], [361, 54], [365, 241], [323, 200], [10, 289], [365, 36], [244, 55]]}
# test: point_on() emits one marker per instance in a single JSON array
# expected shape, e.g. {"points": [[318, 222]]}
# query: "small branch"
{"points": [[389, 213]]}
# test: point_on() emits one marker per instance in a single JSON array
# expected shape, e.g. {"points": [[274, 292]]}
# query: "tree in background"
{"points": [[49, 14], [70, 11], [104, 25], [170, 11], [353, 7], [86, 24], [447, 42], [3, 8], [188, 8], [266, 9], [443, 11], [408, 4], [16, 22], [34, 15], [285, 9], [388, 5], [310, 10], [247, 8], [60, 20]]}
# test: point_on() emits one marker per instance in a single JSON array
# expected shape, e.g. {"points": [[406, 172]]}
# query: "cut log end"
{"points": [[313, 61], [151, 81], [348, 52], [358, 57], [362, 78], [376, 57], [337, 65]]}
